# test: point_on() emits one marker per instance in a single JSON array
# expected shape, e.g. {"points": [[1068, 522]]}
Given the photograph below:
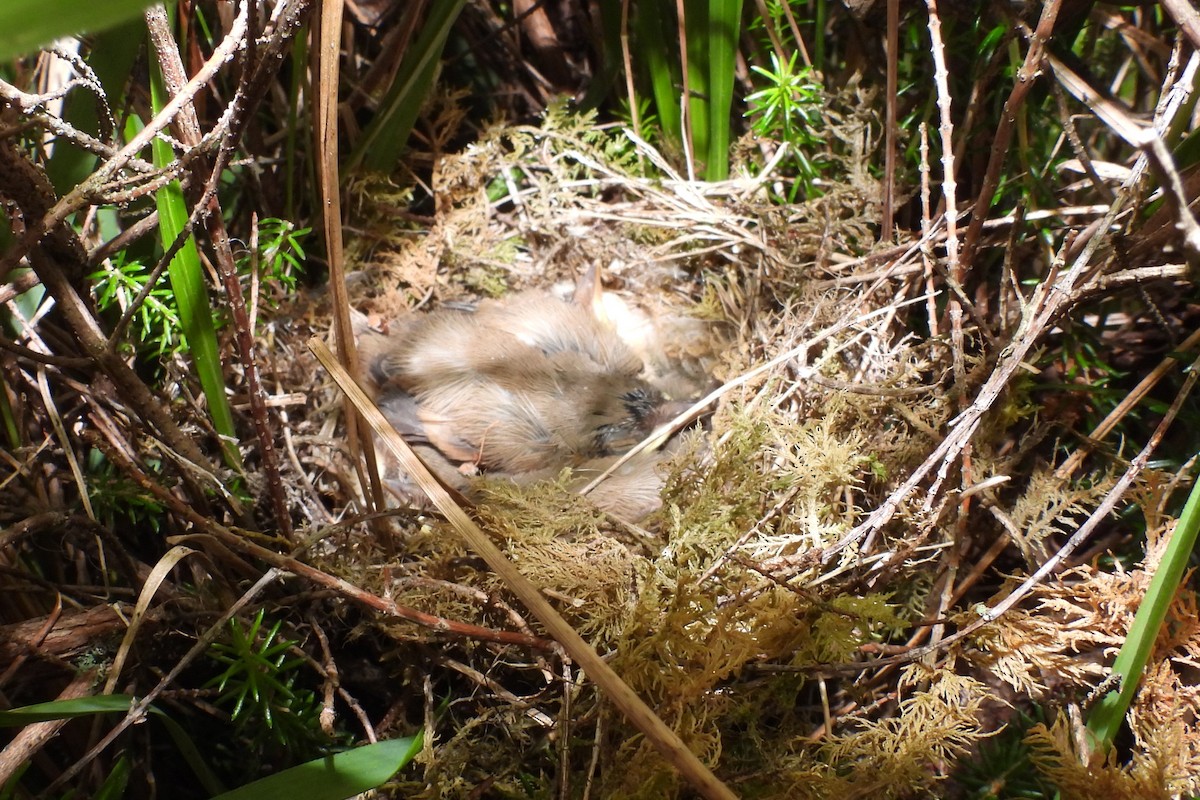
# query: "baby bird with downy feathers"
{"points": [[521, 387]]}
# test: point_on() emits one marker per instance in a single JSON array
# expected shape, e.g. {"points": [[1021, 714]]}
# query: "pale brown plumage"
{"points": [[519, 386]]}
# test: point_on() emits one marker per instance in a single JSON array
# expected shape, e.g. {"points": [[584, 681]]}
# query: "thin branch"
{"points": [[889, 125], [1023, 84], [946, 129]]}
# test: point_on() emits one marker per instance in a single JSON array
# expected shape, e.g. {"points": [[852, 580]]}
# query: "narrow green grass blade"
{"points": [[191, 754], [116, 783], [725, 25], [820, 14], [335, 777], [65, 709], [653, 36], [1181, 122], [700, 40], [8, 420], [384, 139], [26, 25], [1108, 715], [191, 297]]}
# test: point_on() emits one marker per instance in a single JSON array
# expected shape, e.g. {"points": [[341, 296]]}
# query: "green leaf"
{"points": [[1108, 714], [191, 294], [652, 27], [702, 40], [385, 138], [334, 777], [65, 709], [725, 23], [26, 25], [117, 781]]}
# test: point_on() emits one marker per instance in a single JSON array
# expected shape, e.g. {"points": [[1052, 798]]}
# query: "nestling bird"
{"points": [[525, 385]]}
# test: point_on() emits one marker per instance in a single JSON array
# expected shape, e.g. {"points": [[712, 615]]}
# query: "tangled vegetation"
{"points": [[923, 533]]}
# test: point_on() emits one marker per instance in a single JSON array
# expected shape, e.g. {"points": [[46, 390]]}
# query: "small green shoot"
{"points": [[259, 683], [788, 110], [157, 320], [1001, 766], [117, 500], [281, 252]]}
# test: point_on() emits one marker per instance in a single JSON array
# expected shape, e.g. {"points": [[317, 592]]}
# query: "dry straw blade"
{"points": [[624, 698]]}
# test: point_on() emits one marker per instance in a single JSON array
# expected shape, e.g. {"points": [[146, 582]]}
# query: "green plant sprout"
{"points": [[259, 682], [117, 498], [280, 250], [788, 110], [157, 319], [159, 332]]}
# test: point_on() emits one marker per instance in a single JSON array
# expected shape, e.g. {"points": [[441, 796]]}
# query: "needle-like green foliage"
{"points": [[788, 109], [259, 685]]}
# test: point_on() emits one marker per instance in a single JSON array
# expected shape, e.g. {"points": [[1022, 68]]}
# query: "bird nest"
{"points": [[878, 554], [807, 524]]}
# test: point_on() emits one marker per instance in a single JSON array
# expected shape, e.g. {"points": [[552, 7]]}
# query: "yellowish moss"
{"points": [[898, 756], [1081, 777], [725, 617]]}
